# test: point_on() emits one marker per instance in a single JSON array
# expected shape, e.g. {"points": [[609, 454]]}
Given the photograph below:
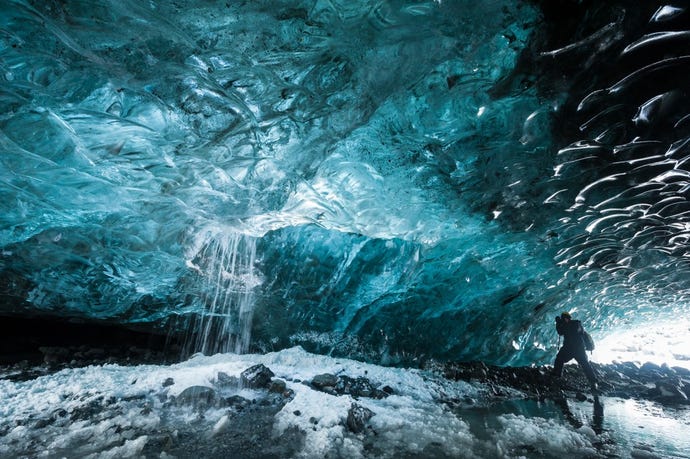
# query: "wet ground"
{"points": [[638, 411]]}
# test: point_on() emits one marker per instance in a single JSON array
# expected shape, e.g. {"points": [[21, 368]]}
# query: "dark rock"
{"points": [[667, 370], [278, 386], [168, 382], [686, 390], [256, 377], [225, 380], [682, 371], [324, 380], [359, 387], [625, 380], [297, 413], [671, 389], [87, 411], [357, 418], [198, 396], [478, 370], [651, 369], [237, 402], [580, 396]]}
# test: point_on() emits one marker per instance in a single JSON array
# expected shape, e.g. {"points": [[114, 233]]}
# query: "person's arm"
{"points": [[560, 326]]}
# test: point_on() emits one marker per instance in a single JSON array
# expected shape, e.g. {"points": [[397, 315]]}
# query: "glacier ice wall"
{"points": [[393, 180]]}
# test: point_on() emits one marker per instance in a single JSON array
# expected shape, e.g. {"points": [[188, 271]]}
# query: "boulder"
{"points": [[357, 418], [256, 377], [198, 396], [324, 380], [671, 389]]}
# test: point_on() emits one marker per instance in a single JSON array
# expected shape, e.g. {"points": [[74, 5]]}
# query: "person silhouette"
{"points": [[573, 348]]}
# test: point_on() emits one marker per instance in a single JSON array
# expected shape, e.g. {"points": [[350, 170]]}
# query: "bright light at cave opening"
{"points": [[663, 342]]}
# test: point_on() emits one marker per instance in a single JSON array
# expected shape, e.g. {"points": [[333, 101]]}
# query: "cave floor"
{"points": [[307, 405]]}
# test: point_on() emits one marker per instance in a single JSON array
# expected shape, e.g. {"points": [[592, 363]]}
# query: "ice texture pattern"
{"points": [[394, 180]]}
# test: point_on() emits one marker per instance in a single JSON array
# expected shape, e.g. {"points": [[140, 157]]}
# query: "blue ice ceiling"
{"points": [[390, 180]]}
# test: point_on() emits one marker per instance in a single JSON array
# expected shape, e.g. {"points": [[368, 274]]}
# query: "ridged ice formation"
{"points": [[390, 180]]}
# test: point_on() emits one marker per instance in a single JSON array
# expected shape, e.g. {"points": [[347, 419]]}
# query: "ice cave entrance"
{"points": [[660, 343]]}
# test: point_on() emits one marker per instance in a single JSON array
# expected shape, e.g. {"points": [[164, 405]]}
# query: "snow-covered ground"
{"points": [[114, 411]]}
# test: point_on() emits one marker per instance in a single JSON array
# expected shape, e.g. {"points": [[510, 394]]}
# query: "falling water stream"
{"points": [[227, 266]]}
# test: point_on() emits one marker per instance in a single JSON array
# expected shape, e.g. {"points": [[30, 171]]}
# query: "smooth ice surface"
{"points": [[114, 411], [393, 180]]}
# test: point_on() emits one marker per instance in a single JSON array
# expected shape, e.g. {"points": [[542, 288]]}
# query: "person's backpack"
{"points": [[589, 342]]}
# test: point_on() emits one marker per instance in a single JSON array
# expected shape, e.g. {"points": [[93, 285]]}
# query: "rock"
{"points": [[649, 366], [256, 377], [225, 380], [198, 396], [682, 371], [324, 380], [478, 370], [237, 402], [652, 370], [168, 382], [359, 387], [278, 386], [667, 370], [88, 410], [671, 389], [357, 417], [686, 390]]}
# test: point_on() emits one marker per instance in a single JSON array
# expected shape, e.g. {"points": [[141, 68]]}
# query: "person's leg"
{"points": [[583, 361], [563, 356]]}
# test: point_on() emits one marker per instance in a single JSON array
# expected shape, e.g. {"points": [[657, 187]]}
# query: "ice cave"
{"points": [[343, 228]]}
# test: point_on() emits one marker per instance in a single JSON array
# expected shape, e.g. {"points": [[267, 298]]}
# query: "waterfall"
{"points": [[226, 265]]}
